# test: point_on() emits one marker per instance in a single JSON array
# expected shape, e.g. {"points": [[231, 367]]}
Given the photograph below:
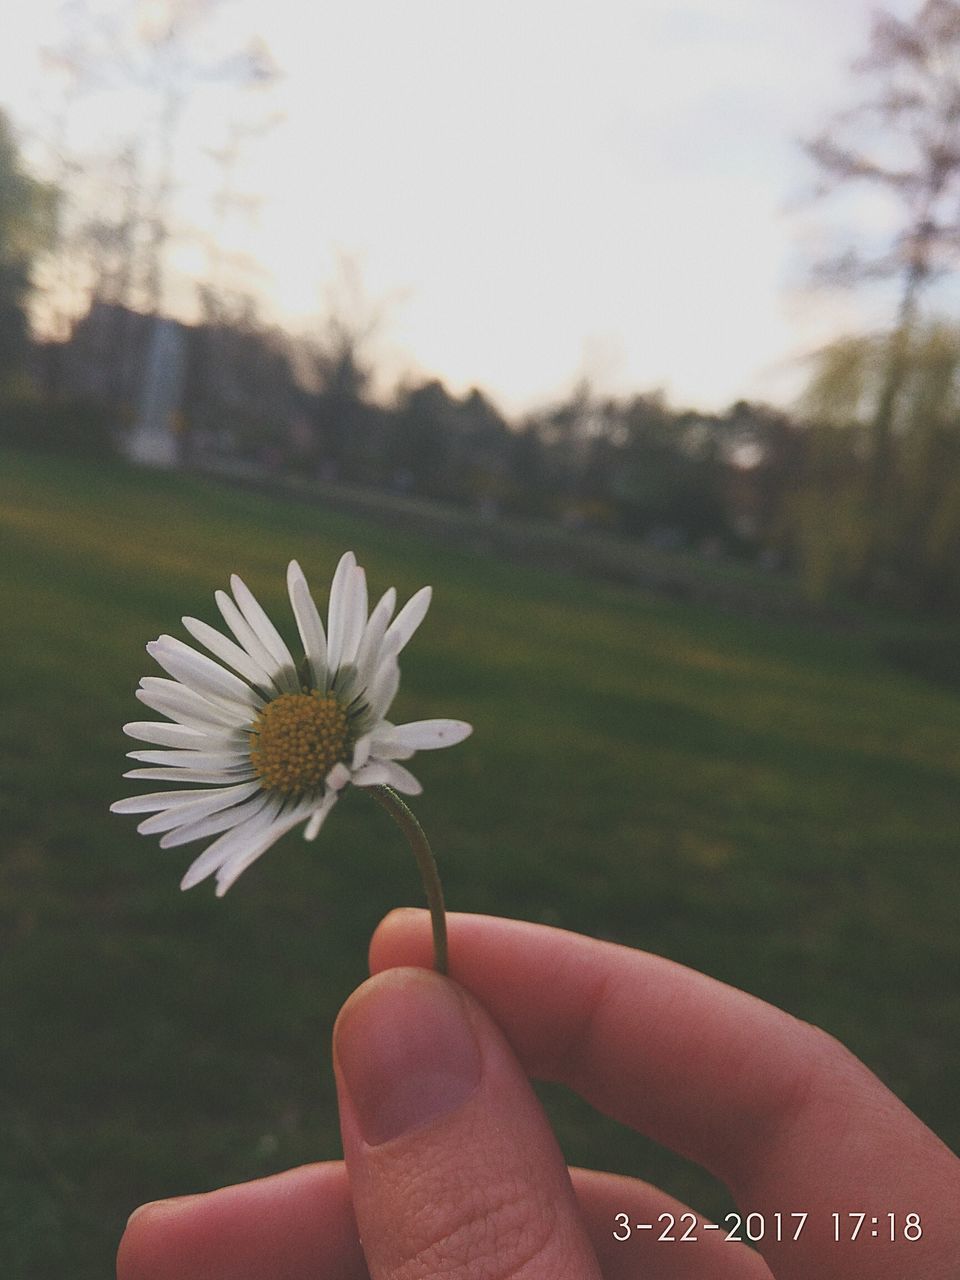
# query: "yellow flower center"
{"points": [[297, 739]]}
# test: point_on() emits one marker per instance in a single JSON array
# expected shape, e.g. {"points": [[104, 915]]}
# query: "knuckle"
{"points": [[825, 1071], [504, 1232]]}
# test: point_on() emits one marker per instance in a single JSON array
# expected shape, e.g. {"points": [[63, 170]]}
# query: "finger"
{"points": [[300, 1225], [453, 1168], [775, 1108], [297, 1225], [638, 1230]]}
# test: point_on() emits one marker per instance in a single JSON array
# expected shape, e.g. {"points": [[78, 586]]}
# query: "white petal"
{"points": [[192, 775], [356, 614], [213, 823], [187, 717], [338, 777], [209, 861], [216, 800], [308, 624], [175, 799], [390, 774], [201, 703], [165, 735], [229, 871], [187, 707], [383, 745], [368, 652], [361, 752], [193, 759], [423, 735], [373, 774], [201, 673], [231, 654], [390, 750], [246, 636], [266, 632], [240, 837], [337, 609], [402, 779], [410, 617], [349, 691], [383, 689], [319, 816]]}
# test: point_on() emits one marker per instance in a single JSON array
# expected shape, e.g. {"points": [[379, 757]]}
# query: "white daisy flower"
{"points": [[273, 745]]}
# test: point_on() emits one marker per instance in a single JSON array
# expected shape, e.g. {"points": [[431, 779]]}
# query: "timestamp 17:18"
{"points": [[850, 1226]]}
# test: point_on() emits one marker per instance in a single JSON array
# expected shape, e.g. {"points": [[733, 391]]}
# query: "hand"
{"points": [[452, 1171]]}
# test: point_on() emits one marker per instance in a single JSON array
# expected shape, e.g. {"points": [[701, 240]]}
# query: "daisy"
{"points": [[270, 743]]}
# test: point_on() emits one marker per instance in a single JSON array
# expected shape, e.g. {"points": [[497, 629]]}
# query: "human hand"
{"points": [[452, 1171]]}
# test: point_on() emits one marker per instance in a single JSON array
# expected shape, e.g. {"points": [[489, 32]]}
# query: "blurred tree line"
{"points": [[26, 227], [856, 490]]}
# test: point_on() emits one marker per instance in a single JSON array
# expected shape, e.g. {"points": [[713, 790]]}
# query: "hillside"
{"points": [[773, 805]]}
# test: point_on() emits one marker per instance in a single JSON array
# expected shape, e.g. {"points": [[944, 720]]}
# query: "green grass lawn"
{"points": [[775, 806]]}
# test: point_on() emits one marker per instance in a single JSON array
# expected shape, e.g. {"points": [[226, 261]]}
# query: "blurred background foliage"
{"points": [[855, 492], [914, 538]]}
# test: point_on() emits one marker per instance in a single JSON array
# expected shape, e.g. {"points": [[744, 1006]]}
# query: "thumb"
{"points": [[453, 1168]]}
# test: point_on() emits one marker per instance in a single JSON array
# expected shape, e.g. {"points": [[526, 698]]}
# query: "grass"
{"points": [[774, 806]]}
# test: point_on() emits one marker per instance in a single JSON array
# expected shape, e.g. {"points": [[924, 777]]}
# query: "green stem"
{"points": [[420, 845]]}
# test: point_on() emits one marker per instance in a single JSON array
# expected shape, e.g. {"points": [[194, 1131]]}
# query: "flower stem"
{"points": [[420, 845]]}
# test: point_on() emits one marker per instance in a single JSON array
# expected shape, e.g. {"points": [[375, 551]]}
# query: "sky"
{"points": [[523, 193]]}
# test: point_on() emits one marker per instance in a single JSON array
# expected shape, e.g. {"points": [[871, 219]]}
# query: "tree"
{"points": [[921, 561], [160, 61], [422, 438], [666, 481], [26, 228], [906, 143], [339, 366], [117, 216], [903, 140]]}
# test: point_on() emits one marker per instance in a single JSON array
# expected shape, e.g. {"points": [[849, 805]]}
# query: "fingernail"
{"points": [[153, 1208], [406, 1051], [140, 1210]]}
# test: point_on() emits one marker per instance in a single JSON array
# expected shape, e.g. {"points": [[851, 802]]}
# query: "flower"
{"points": [[274, 745]]}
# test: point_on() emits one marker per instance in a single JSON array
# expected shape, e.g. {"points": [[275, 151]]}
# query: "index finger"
{"points": [[778, 1110]]}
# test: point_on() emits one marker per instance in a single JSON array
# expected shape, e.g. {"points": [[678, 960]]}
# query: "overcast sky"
{"points": [[530, 191]]}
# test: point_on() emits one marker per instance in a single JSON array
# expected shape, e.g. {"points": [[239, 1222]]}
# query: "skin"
{"points": [[459, 1175]]}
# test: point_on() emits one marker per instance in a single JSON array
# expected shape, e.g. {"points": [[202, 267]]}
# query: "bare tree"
{"points": [[224, 266], [108, 247], [162, 62], [74, 67], [902, 140]]}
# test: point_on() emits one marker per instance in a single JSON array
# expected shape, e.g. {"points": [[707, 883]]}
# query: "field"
{"points": [[774, 805]]}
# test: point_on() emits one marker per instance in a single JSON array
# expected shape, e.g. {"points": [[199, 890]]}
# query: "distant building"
{"points": [[173, 389], [152, 438]]}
